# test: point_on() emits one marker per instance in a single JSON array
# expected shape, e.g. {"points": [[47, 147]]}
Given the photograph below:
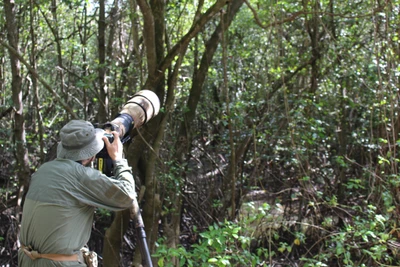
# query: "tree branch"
{"points": [[43, 82], [149, 35], [194, 30], [295, 15]]}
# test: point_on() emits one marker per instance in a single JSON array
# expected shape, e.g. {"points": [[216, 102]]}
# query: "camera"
{"points": [[142, 107]]}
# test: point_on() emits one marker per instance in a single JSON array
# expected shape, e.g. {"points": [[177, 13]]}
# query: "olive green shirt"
{"points": [[59, 207]]}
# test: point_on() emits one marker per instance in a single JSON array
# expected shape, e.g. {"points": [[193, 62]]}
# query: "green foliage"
{"points": [[100, 212], [222, 244], [362, 239]]}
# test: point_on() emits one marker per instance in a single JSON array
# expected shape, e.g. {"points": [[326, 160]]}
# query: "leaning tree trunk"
{"points": [[21, 152]]}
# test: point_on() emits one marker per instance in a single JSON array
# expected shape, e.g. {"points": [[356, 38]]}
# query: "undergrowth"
{"points": [[367, 238]]}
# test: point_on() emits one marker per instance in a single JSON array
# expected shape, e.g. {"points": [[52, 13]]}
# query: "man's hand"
{"points": [[115, 148]]}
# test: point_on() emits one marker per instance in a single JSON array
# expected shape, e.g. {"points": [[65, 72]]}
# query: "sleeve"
{"points": [[123, 171], [113, 193]]}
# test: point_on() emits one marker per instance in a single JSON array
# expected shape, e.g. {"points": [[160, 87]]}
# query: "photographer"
{"points": [[63, 194]]}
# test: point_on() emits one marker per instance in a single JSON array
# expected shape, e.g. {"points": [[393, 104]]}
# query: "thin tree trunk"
{"points": [[112, 26], [2, 80], [35, 87], [229, 181], [103, 91], [84, 38], [54, 28]]}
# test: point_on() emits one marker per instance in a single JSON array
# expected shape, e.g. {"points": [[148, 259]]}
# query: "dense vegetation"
{"points": [[277, 140]]}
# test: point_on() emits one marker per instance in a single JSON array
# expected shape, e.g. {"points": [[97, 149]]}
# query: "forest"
{"points": [[276, 139]]}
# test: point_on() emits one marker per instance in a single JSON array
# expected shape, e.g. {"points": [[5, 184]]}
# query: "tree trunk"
{"points": [[112, 238], [53, 25], [35, 87], [84, 30], [102, 114], [21, 152]]}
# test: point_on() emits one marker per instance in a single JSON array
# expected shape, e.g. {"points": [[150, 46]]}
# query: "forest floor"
{"points": [[8, 238]]}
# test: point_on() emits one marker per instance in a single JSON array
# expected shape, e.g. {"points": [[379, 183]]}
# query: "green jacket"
{"points": [[59, 207]]}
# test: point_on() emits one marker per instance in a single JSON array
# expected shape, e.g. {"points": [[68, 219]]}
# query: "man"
{"points": [[63, 194]]}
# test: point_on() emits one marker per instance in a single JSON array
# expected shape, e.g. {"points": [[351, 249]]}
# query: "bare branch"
{"points": [[43, 82]]}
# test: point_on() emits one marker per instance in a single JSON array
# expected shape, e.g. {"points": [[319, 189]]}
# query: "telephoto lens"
{"points": [[143, 106]]}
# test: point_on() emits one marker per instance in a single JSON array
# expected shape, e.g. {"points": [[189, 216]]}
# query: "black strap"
{"points": [[144, 111], [151, 103]]}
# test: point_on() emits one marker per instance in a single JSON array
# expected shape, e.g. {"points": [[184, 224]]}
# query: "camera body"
{"points": [[142, 107], [110, 137]]}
